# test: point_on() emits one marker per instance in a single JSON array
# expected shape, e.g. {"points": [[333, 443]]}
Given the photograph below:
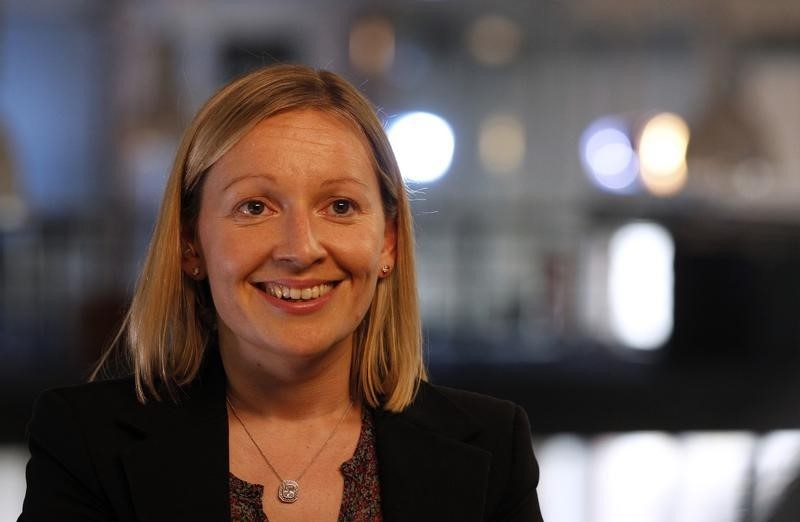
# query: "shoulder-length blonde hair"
{"points": [[168, 325]]}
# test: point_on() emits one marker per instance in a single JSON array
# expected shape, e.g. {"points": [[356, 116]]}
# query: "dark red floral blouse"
{"points": [[361, 500]]}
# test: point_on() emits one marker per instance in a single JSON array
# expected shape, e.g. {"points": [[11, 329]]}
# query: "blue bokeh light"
{"points": [[608, 156]]}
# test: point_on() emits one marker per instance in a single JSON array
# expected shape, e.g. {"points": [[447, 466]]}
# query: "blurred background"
{"points": [[606, 195]]}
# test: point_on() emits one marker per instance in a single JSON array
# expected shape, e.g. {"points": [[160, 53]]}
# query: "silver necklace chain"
{"points": [[288, 490]]}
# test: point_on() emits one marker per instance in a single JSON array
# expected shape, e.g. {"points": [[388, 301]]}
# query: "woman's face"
{"points": [[292, 236]]}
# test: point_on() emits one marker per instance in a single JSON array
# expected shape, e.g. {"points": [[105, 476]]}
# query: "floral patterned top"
{"points": [[361, 499]]}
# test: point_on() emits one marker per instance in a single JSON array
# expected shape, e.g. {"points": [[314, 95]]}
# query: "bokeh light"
{"points": [[564, 459], [640, 284], [494, 40], [423, 144], [13, 212], [777, 463], [644, 466], [372, 45], [753, 178], [608, 156], [717, 467], [501, 143], [662, 154], [12, 480]]}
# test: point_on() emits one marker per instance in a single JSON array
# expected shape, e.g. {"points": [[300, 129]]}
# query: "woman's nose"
{"points": [[298, 244]]}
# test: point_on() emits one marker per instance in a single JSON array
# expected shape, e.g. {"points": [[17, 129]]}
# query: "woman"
{"points": [[274, 339]]}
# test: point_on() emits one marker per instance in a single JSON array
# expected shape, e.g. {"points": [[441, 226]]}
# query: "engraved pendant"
{"points": [[288, 491]]}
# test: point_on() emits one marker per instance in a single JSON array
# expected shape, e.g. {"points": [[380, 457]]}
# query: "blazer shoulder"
{"points": [[97, 396], [484, 409], [69, 435], [120, 388], [501, 428], [88, 441]]}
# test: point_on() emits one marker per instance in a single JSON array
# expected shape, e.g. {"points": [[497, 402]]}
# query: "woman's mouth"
{"points": [[297, 293]]}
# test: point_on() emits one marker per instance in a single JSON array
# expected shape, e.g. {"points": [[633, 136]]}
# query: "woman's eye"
{"points": [[252, 208], [342, 206]]}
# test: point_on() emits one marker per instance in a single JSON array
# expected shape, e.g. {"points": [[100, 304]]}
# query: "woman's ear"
{"points": [[191, 259], [389, 250]]}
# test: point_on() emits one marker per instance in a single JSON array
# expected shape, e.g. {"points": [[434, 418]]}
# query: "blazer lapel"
{"points": [[428, 470], [178, 470]]}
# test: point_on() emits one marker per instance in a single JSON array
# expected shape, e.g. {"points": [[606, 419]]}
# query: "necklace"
{"points": [[288, 490]]}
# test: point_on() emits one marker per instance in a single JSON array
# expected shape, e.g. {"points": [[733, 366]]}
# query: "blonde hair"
{"points": [[168, 326]]}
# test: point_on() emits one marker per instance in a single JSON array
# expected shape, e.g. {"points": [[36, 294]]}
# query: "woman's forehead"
{"points": [[305, 128], [308, 140]]}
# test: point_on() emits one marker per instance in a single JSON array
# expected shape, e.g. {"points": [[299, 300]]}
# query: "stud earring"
{"points": [[195, 271], [385, 269]]}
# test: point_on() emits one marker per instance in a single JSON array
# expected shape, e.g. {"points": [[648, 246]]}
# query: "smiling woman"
{"points": [[303, 216], [274, 343]]}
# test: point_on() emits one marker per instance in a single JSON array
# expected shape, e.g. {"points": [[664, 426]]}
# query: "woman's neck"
{"points": [[287, 388]]}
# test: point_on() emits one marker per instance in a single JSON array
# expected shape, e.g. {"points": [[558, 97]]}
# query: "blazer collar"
{"points": [[428, 469], [178, 469]]}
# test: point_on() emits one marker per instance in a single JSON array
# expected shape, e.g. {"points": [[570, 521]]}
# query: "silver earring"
{"points": [[385, 269], [195, 271]]}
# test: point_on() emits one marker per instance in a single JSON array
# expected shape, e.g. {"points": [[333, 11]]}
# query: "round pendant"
{"points": [[288, 491]]}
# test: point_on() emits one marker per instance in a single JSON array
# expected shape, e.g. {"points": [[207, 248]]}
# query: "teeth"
{"points": [[284, 292]]}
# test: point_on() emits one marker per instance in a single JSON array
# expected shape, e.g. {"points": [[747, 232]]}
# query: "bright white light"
{"points": [[777, 464], [565, 460], [660, 477], [423, 144], [662, 153], [634, 477], [12, 480], [607, 155], [715, 475], [640, 283]]}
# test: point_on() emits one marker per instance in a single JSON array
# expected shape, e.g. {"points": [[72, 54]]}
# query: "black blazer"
{"points": [[98, 454]]}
